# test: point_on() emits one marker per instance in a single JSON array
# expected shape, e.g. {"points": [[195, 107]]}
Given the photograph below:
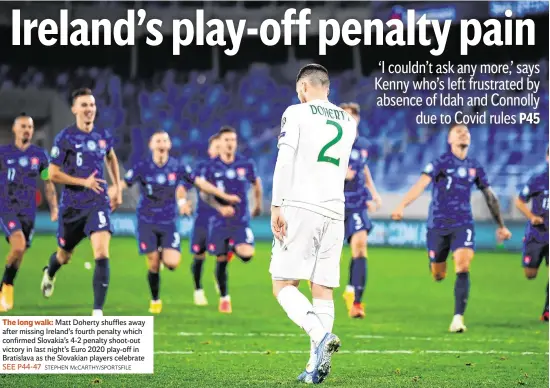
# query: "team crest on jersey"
{"points": [[161, 179], [230, 174], [354, 154], [461, 172], [172, 177], [241, 172], [23, 161], [472, 172], [102, 144], [91, 145], [34, 163]]}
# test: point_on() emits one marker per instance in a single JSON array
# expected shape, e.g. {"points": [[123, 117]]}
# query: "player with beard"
{"points": [[21, 164], [450, 222]]}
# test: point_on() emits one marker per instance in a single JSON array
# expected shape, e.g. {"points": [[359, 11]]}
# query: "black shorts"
{"points": [[11, 223], [534, 252], [76, 224]]}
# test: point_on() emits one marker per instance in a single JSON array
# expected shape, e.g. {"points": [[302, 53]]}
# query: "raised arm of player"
{"points": [[411, 196], [208, 188], [224, 210], [113, 169]]}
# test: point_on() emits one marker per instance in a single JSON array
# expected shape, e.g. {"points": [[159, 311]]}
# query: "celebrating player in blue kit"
{"points": [[77, 157], [21, 164], [161, 179], [229, 229], [535, 243], [359, 188], [199, 235], [450, 222]]}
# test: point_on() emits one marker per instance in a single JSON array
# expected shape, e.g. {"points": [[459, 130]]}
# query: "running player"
{"points": [[77, 159], [160, 180], [535, 243], [450, 222], [229, 230], [21, 164], [308, 212], [200, 228], [359, 189]]}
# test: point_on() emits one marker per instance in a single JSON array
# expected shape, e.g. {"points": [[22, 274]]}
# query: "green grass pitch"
{"points": [[403, 342]]}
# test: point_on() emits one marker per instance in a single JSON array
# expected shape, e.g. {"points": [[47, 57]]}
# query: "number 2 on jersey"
{"points": [[322, 154]]}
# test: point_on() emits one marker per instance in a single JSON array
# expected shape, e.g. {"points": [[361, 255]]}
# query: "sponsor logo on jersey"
{"points": [[462, 172], [102, 144], [91, 145], [23, 162]]}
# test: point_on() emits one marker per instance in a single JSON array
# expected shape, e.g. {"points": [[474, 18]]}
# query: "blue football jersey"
{"points": [[355, 191], [79, 154], [203, 211], [536, 190], [19, 173], [452, 182], [233, 178], [158, 184]]}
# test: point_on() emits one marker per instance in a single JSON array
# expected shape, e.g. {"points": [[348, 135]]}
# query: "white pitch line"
{"points": [[455, 338], [366, 351]]}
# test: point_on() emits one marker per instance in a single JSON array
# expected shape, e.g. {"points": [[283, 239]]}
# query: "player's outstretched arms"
{"points": [[415, 192], [208, 188], [494, 207], [92, 183], [225, 210], [524, 209]]}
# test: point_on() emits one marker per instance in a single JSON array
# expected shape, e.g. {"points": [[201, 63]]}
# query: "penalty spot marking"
{"points": [[366, 351], [450, 338]]}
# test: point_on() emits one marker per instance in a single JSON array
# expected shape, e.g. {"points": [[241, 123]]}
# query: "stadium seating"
{"points": [[193, 106]]}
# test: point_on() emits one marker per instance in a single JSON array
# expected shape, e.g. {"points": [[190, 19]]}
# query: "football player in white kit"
{"points": [[307, 213]]}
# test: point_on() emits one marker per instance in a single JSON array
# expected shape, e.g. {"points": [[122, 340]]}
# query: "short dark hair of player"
{"points": [[21, 115], [81, 92], [159, 132], [353, 106], [453, 126], [318, 74], [226, 129], [212, 138]]}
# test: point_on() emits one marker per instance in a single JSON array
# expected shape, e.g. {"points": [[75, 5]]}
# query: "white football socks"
{"points": [[301, 312], [324, 309]]}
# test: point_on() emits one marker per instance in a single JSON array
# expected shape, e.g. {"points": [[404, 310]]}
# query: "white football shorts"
{"points": [[311, 249]]}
